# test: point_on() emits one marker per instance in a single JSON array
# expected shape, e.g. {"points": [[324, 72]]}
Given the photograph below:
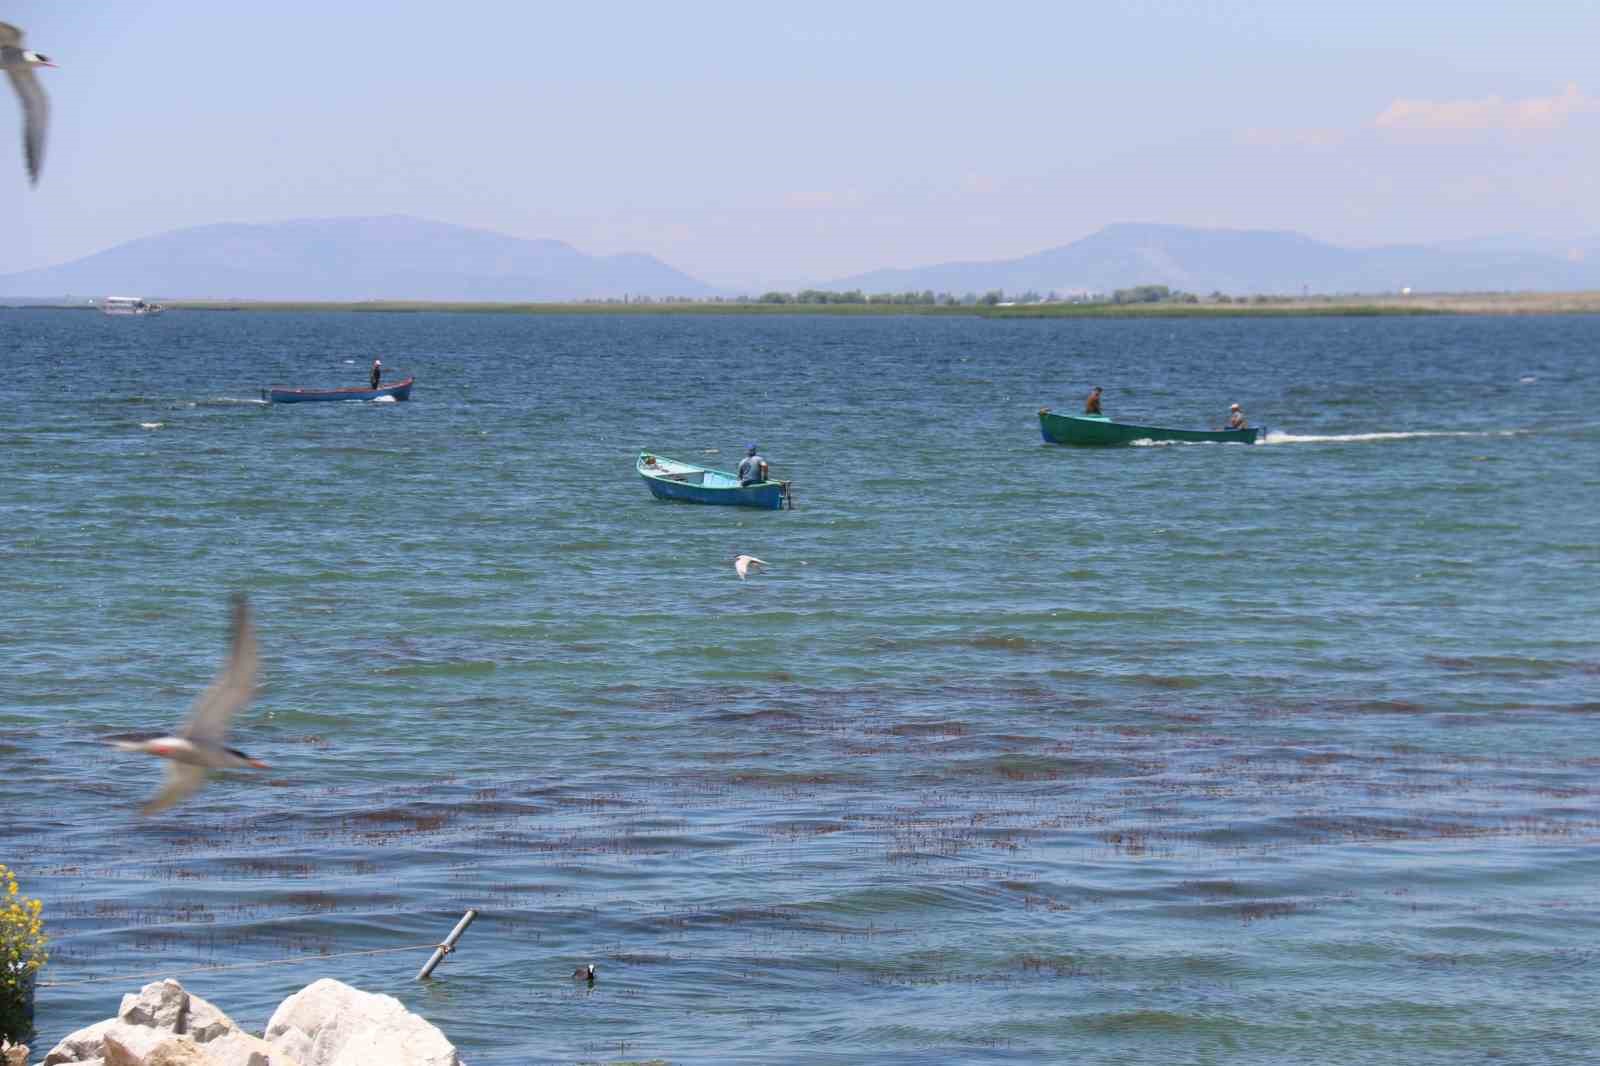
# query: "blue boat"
{"points": [[400, 390], [671, 479]]}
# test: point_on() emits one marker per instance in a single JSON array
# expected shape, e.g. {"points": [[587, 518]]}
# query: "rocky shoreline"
{"points": [[327, 1023]]}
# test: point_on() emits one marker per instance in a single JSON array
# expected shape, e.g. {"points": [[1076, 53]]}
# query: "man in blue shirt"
{"points": [[752, 468]]}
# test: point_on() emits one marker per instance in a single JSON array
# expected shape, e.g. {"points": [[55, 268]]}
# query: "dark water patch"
{"points": [[998, 642], [420, 821], [1028, 768], [929, 729], [1161, 681], [1146, 1022]]}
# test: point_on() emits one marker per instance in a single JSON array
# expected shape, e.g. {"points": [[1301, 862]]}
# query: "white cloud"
{"points": [[1491, 113]]}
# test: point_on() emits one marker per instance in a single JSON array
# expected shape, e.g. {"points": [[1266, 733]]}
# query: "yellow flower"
{"points": [[23, 944]]}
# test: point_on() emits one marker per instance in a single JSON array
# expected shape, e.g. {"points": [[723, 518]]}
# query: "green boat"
{"points": [[1100, 431]]}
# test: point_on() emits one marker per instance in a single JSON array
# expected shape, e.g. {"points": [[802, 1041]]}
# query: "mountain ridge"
{"points": [[380, 257], [400, 257], [1246, 261]]}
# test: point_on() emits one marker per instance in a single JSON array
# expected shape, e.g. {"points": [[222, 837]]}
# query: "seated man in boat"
{"points": [[752, 468], [377, 372], [1236, 418], [1091, 406]]}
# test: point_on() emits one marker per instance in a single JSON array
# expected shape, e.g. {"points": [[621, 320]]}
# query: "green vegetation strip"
{"points": [[1058, 310]]}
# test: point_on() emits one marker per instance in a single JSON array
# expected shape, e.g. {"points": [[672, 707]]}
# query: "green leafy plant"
{"points": [[23, 950]]}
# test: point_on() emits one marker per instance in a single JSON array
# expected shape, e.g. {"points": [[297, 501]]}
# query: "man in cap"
{"points": [[752, 468], [1091, 406], [377, 372], [1236, 418]]}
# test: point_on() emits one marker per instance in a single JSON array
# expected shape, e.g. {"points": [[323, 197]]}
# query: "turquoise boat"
{"points": [[1100, 431], [672, 479]]}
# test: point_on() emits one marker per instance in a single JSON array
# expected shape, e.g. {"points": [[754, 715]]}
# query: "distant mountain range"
{"points": [[387, 258], [401, 258], [1241, 262]]}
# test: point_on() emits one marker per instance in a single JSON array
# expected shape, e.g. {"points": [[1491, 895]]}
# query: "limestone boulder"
{"points": [[161, 1008], [158, 1005], [205, 1023], [83, 1046], [293, 1043], [242, 1049], [345, 1026], [142, 1045]]}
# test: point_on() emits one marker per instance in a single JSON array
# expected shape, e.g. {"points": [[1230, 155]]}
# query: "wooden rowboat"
{"points": [[400, 390], [1098, 430], [671, 479]]}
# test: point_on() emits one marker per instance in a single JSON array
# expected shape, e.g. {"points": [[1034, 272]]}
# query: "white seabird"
{"points": [[18, 63], [198, 747], [743, 563]]}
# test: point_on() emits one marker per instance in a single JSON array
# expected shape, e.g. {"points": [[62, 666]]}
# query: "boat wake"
{"points": [[1276, 437]]}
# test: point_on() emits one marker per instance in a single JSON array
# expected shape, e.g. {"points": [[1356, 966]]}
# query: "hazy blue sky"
{"points": [[752, 143]]}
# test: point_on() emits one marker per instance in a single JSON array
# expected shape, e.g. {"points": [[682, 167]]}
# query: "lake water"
{"points": [[1016, 753]]}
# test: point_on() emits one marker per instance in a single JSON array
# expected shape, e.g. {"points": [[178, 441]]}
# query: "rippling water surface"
{"points": [[1015, 753]]}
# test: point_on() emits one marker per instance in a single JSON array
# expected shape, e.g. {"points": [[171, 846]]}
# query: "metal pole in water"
{"points": [[448, 946]]}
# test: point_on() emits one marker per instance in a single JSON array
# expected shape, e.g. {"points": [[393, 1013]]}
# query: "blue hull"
{"points": [[400, 390], [669, 479]]}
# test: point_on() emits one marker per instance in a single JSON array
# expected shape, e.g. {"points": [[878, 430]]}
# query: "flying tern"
{"points": [[198, 746], [18, 63]]}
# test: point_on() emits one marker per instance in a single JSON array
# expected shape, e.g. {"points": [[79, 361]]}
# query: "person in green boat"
{"points": [[1236, 419], [1091, 406], [752, 468]]}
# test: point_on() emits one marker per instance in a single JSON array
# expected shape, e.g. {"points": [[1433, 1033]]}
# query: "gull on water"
{"points": [[743, 563], [198, 747], [19, 63]]}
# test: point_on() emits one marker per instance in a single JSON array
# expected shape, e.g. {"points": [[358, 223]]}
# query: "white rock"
{"points": [[139, 1045], [375, 1030], [82, 1046], [294, 1043], [158, 1005], [205, 1022], [242, 1049], [380, 1045]]}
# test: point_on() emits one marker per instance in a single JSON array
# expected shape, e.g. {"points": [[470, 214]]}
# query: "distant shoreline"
{"points": [[1273, 307]]}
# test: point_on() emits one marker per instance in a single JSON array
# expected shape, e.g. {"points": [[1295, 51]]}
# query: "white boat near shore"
{"points": [[129, 305]]}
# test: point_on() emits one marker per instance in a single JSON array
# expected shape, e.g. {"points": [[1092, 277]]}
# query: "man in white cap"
{"points": [[1236, 418], [377, 372]]}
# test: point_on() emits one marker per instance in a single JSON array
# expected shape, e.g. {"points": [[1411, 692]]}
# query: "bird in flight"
{"points": [[18, 63], [743, 563], [198, 747]]}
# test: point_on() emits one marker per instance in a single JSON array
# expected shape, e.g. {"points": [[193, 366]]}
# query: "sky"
{"points": [[755, 144]]}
